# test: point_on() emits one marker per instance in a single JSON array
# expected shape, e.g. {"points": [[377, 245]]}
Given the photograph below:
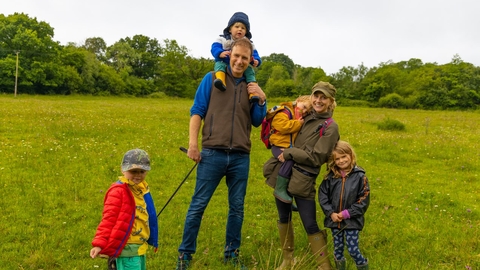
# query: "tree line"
{"points": [[144, 66]]}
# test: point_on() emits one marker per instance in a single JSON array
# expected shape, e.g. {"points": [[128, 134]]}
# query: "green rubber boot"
{"points": [[341, 265], [286, 241], [363, 266], [318, 245], [281, 190]]}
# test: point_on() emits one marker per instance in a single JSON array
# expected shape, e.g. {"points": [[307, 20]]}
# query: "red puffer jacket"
{"points": [[117, 221]]}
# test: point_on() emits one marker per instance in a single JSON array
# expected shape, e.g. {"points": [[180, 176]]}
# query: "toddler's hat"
{"points": [[136, 159], [326, 88], [238, 17]]}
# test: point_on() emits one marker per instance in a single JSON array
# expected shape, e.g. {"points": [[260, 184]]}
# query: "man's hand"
{"points": [[194, 154], [254, 89]]}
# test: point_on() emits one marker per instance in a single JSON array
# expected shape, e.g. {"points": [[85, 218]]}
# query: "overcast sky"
{"points": [[313, 33]]}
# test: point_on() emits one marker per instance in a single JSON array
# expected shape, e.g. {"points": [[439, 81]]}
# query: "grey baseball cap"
{"points": [[136, 159]]}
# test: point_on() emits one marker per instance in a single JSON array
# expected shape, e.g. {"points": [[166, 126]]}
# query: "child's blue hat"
{"points": [[238, 17]]}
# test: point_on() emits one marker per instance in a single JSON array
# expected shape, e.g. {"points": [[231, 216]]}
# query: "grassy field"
{"points": [[58, 156]]}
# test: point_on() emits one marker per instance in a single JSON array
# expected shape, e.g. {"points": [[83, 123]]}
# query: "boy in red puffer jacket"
{"points": [[129, 221]]}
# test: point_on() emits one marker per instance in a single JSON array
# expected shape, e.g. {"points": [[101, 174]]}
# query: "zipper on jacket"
{"points": [[233, 114], [210, 129], [341, 197]]}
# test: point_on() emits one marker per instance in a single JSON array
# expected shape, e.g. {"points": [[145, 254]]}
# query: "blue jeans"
{"points": [[214, 165]]}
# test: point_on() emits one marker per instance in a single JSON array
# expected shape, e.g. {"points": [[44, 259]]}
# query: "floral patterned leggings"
{"points": [[351, 237]]}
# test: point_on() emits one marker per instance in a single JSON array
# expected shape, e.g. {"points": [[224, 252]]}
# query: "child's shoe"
{"points": [[341, 264], [281, 190], [220, 85], [219, 82], [252, 98]]}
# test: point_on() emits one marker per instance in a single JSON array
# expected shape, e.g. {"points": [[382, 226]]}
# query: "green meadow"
{"points": [[58, 156]]}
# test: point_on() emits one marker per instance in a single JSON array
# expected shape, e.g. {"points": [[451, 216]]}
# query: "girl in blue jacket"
{"points": [[344, 197]]}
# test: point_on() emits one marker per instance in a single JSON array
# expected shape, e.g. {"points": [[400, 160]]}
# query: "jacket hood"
{"points": [[238, 17]]}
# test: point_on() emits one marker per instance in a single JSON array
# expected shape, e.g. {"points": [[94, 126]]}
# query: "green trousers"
{"points": [[132, 263]]}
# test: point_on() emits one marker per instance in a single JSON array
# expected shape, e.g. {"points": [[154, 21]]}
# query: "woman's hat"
{"points": [[326, 88]]}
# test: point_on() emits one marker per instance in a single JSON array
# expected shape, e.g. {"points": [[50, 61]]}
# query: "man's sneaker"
{"points": [[234, 260], [183, 261]]}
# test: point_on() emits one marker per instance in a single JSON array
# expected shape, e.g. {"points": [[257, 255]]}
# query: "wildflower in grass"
{"points": [[416, 208], [468, 210], [468, 267]]}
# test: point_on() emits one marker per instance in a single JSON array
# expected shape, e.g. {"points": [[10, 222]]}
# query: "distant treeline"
{"points": [[141, 66]]}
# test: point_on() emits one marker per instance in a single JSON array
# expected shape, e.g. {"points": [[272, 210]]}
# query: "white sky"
{"points": [[313, 33]]}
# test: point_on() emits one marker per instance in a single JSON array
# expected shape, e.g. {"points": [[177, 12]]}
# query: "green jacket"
{"points": [[310, 152]]}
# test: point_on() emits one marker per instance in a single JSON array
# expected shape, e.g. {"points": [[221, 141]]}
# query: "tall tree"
{"points": [[282, 59], [173, 79], [382, 81], [147, 53], [279, 84], [97, 46], [38, 53], [305, 78], [347, 81]]}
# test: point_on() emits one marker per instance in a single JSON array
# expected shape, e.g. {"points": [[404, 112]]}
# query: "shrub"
{"points": [[391, 124], [392, 100], [157, 95], [411, 102]]}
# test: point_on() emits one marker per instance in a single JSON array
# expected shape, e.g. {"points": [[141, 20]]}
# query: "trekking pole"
{"points": [[179, 186]]}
